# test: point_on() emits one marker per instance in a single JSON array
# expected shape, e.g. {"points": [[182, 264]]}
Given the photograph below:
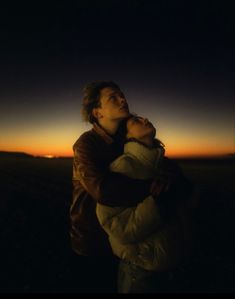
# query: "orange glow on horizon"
{"points": [[47, 153], [170, 152], [197, 151], [178, 143]]}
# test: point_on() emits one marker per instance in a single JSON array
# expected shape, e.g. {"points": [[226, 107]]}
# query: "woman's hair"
{"points": [[91, 98], [156, 143]]}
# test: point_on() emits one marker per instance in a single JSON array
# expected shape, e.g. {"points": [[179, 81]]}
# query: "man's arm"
{"points": [[105, 187]]}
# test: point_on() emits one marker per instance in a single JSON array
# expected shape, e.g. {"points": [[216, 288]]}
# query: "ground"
{"points": [[34, 224]]}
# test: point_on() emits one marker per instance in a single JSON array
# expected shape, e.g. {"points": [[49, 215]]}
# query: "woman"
{"points": [[153, 238]]}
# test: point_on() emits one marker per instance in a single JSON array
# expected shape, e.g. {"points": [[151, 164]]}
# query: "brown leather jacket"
{"points": [[92, 183]]}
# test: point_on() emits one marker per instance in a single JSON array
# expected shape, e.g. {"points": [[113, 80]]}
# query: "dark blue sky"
{"points": [[173, 59]]}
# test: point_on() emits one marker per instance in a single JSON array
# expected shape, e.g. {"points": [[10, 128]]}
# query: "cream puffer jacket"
{"points": [[138, 234]]}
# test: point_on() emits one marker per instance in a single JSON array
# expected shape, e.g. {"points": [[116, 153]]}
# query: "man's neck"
{"points": [[110, 127]]}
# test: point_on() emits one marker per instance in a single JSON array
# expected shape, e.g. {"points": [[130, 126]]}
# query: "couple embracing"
{"points": [[131, 214]]}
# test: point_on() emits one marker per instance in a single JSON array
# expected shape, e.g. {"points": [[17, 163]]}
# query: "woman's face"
{"points": [[139, 128]]}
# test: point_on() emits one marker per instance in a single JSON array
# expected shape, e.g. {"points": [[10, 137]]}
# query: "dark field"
{"points": [[35, 254]]}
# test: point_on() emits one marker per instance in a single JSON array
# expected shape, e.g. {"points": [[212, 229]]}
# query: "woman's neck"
{"points": [[148, 141]]}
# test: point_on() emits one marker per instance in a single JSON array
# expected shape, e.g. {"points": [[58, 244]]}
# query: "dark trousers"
{"points": [[133, 279], [93, 274]]}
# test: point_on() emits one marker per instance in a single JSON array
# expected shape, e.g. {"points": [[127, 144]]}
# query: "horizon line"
{"points": [[229, 155]]}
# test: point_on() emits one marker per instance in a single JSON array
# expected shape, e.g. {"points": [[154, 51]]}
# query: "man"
{"points": [[104, 106]]}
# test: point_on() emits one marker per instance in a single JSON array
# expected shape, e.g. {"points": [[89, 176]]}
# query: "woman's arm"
{"points": [[130, 225]]}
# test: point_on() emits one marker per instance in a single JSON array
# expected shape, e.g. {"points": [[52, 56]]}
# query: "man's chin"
{"points": [[122, 118], [125, 114]]}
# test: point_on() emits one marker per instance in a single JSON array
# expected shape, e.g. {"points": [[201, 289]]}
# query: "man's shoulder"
{"points": [[85, 138], [87, 134]]}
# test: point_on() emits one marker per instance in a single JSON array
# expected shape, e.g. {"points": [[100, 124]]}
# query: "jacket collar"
{"points": [[101, 132], [149, 157]]}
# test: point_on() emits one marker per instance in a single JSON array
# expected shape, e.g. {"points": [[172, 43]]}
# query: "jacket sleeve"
{"points": [[130, 225], [112, 189]]}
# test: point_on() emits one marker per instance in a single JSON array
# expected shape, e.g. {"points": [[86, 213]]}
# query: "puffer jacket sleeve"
{"points": [[130, 225]]}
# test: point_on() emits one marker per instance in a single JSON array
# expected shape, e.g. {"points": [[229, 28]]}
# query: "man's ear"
{"points": [[96, 113]]}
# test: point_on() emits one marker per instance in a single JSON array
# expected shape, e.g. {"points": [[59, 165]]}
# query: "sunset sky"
{"points": [[174, 61]]}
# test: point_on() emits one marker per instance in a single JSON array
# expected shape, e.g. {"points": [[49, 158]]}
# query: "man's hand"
{"points": [[160, 184], [171, 167]]}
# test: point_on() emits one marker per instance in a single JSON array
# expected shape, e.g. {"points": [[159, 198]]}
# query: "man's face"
{"points": [[139, 127], [113, 105]]}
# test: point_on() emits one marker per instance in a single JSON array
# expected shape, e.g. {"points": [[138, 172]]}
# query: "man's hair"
{"points": [[91, 98]]}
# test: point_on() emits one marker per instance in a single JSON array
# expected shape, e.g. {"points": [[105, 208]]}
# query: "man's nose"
{"points": [[122, 100]]}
